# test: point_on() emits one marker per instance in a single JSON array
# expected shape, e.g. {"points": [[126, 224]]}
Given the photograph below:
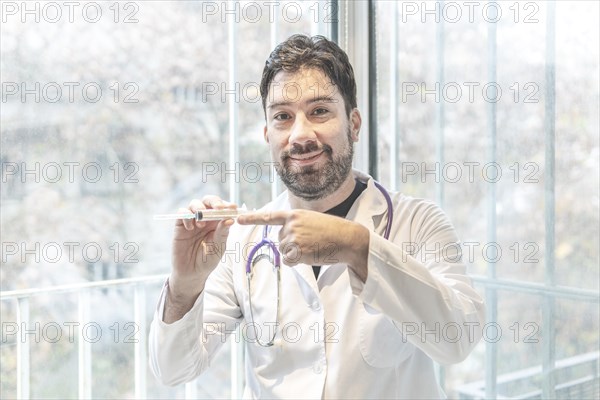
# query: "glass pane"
{"points": [[113, 112], [449, 86]]}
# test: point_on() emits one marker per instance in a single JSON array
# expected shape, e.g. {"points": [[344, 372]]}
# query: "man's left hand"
{"points": [[314, 238]]}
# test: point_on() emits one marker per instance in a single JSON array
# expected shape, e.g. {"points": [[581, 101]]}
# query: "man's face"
{"points": [[310, 135]]}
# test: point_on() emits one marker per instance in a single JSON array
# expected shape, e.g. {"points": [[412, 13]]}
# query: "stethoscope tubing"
{"points": [[277, 261], [264, 242], [390, 209]]}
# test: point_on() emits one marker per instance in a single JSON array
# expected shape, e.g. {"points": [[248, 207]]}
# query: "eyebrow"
{"points": [[323, 99]]}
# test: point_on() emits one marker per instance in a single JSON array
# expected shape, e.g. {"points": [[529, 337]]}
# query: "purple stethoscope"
{"points": [[276, 261]]}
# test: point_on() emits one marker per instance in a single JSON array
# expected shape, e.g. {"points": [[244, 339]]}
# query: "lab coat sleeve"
{"points": [[182, 350], [421, 285]]}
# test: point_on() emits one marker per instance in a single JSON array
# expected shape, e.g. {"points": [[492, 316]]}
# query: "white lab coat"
{"points": [[336, 337]]}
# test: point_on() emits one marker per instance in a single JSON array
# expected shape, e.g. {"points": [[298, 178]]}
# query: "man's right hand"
{"points": [[197, 250]]}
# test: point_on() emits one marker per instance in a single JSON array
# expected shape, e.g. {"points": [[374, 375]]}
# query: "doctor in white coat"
{"points": [[351, 313]]}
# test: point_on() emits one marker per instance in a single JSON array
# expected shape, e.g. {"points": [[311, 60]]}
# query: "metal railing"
{"points": [[567, 386], [84, 347]]}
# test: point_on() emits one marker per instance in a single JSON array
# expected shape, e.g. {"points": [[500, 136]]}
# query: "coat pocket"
{"points": [[381, 343]]}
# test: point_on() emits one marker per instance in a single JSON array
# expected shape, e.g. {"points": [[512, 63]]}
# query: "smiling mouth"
{"points": [[305, 160], [306, 157]]}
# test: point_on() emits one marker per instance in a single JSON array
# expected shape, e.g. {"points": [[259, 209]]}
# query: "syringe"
{"points": [[205, 215]]}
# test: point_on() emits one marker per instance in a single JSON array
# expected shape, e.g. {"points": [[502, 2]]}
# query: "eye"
{"points": [[281, 117], [320, 111]]}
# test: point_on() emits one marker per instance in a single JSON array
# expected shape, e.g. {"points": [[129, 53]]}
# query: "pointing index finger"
{"points": [[263, 218]]}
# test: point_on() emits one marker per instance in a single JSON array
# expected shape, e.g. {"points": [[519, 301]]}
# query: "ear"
{"points": [[265, 134], [355, 123]]}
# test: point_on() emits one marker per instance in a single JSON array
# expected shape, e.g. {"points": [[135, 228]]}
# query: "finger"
{"points": [[266, 218], [290, 253], [188, 224], [222, 230], [282, 235], [196, 205], [208, 202], [211, 201], [230, 205]]}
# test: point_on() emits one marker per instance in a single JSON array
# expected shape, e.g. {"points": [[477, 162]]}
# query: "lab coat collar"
{"points": [[369, 204]]}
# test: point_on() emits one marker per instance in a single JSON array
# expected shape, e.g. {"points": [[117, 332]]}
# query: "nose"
{"points": [[302, 132]]}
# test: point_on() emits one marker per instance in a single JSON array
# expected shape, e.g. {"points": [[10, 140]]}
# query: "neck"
{"points": [[328, 202]]}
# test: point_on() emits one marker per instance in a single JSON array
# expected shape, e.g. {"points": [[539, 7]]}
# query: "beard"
{"points": [[313, 183]]}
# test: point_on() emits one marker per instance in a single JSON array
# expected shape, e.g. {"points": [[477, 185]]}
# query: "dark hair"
{"points": [[300, 51]]}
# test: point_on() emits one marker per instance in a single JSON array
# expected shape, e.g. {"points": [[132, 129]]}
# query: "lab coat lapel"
{"points": [[370, 205], [306, 280]]}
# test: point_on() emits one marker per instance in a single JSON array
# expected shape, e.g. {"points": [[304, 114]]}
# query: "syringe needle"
{"points": [[165, 217]]}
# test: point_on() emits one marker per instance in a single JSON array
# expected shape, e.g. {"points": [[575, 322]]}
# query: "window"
{"points": [[113, 111], [491, 109]]}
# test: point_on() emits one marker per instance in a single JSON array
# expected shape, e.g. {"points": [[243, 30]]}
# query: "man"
{"points": [[356, 315]]}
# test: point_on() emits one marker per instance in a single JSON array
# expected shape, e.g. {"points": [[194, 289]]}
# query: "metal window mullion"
{"points": [[318, 23], [84, 347], [334, 33], [274, 28], [354, 39], [233, 108], [373, 158], [23, 350], [237, 365], [548, 328], [394, 100], [440, 109], [274, 38], [141, 344], [491, 369], [440, 47]]}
